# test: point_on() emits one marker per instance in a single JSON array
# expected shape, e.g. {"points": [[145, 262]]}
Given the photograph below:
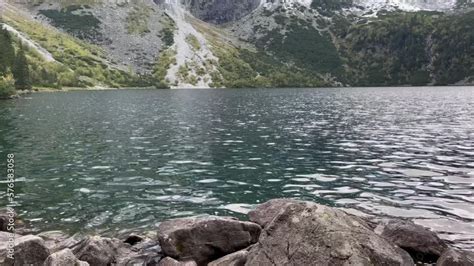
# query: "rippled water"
{"points": [[111, 160]]}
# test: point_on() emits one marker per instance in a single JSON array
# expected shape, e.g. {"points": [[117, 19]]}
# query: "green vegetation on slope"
{"points": [[409, 48], [14, 69], [76, 20], [304, 46], [242, 68], [79, 64], [137, 20]]}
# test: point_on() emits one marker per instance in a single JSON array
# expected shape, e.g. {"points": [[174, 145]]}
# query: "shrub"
{"points": [[7, 85]]}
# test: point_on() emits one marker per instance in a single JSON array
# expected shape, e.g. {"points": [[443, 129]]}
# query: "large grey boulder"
{"points": [[29, 250], [454, 257], [306, 233], [235, 259], [204, 239], [64, 257], [422, 244], [98, 251]]}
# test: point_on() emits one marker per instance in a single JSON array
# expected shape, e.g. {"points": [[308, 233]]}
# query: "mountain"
{"points": [[247, 43]]}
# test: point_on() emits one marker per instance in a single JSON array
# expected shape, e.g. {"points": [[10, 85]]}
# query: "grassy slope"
{"points": [[242, 65], [79, 63]]}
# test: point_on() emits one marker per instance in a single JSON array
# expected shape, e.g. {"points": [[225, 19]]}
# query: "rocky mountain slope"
{"points": [[247, 43]]}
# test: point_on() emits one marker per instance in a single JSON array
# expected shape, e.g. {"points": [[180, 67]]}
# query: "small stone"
{"points": [[64, 257], [53, 239], [172, 262], [454, 257], [97, 251], [235, 259]]}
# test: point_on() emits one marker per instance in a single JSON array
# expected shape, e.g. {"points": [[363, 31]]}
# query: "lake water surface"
{"points": [[112, 160]]}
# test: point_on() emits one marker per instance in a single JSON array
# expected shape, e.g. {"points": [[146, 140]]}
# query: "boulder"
{"points": [[235, 259], [6, 242], [64, 257], [306, 233], [172, 262], [98, 251], [204, 239], [454, 257], [29, 250], [422, 244]]}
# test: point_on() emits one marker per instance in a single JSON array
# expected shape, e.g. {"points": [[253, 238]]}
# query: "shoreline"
{"points": [[20, 94], [278, 232]]}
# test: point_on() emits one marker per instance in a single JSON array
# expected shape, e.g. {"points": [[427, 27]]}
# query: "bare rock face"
{"points": [[422, 244], [453, 257], [306, 233], [29, 250], [204, 239], [172, 262], [98, 251], [235, 259], [64, 257]]}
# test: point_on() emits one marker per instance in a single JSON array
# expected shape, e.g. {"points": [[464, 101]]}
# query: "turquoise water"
{"points": [[113, 160]]}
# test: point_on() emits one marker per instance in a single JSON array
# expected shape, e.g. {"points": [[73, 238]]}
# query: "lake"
{"points": [[113, 160]]}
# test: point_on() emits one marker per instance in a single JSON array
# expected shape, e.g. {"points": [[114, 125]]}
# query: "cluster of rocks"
{"points": [[280, 232]]}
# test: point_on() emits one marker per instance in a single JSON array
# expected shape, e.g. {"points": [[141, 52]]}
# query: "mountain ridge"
{"points": [[252, 43]]}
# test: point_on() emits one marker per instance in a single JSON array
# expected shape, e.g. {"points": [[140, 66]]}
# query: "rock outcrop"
{"points": [[306, 233], [204, 239]]}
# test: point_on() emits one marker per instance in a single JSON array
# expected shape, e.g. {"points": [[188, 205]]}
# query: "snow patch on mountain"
{"points": [[407, 5], [285, 3]]}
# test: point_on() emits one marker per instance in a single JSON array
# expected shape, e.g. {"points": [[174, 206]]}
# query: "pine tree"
{"points": [[7, 52], [21, 71]]}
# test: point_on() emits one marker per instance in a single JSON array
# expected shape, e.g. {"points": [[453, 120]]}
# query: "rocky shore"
{"points": [[279, 232]]}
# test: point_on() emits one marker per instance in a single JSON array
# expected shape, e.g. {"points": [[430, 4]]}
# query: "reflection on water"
{"points": [[127, 159]]}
